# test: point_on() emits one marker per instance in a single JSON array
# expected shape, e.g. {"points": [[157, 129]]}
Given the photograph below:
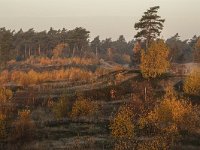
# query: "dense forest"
{"points": [[20, 45]]}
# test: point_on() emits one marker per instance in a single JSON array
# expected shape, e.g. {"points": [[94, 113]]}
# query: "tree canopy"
{"points": [[150, 25], [155, 61]]}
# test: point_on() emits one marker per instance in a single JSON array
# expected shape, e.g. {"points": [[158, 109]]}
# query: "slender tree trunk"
{"points": [[145, 93], [39, 50], [73, 51], [29, 52], [96, 52], [25, 52]]}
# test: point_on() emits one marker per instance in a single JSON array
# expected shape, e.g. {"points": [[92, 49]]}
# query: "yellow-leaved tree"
{"points": [[192, 83], [168, 121], [154, 62]]}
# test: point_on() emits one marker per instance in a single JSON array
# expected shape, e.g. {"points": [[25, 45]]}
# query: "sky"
{"points": [[106, 18]]}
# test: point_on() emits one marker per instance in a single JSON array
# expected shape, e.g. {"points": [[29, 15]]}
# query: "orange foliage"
{"points": [[192, 83], [33, 77], [122, 126], [62, 61]]}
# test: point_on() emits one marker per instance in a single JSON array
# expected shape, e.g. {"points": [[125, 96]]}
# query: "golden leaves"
{"points": [[122, 125], [84, 108], [155, 62], [192, 83]]}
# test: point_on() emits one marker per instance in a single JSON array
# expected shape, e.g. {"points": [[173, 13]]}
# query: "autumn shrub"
{"points": [[170, 119], [24, 127], [123, 129], [5, 102], [155, 143], [33, 77], [4, 77], [122, 125], [61, 108], [44, 61], [84, 108], [157, 126], [5, 95], [62, 61], [5, 110], [3, 132], [24, 78], [192, 83], [101, 71]]}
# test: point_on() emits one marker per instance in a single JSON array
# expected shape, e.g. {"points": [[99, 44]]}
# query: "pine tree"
{"points": [[150, 25]]}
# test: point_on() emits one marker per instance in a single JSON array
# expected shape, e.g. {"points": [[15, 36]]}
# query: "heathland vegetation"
{"points": [[58, 90]]}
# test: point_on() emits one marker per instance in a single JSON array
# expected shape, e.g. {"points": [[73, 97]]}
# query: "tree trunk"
{"points": [[96, 52], [39, 50], [29, 52]]}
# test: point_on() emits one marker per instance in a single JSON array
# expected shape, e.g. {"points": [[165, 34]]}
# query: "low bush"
{"points": [[122, 125], [84, 108], [24, 127], [192, 83], [33, 77], [61, 108]]}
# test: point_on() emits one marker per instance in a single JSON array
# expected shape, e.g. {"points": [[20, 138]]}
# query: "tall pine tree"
{"points": [[149, 26]]}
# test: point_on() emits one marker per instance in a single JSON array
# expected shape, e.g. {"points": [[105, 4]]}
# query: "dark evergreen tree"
{"points": [[95, 45], [6, 45], [150, 25], [180, 51]]}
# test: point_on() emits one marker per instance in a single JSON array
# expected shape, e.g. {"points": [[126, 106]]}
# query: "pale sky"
{"points": [[107, 18]]}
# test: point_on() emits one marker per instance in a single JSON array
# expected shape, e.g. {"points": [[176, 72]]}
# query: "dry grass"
{"points": [[58, 61], [33, 77]]}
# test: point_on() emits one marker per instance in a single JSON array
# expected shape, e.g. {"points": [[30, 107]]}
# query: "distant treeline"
{"points": [[20, 45]]}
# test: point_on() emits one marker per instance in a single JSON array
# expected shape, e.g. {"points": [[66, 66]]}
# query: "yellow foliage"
{"points": [[159, 127], [155, 62], [24, 114], [4, 76], [122, 126], [84, 108], [5, 95], [3, 132], [124, 144], [172, 116], [156, 143], [192, 83], [167, 121], [33, 77]]}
